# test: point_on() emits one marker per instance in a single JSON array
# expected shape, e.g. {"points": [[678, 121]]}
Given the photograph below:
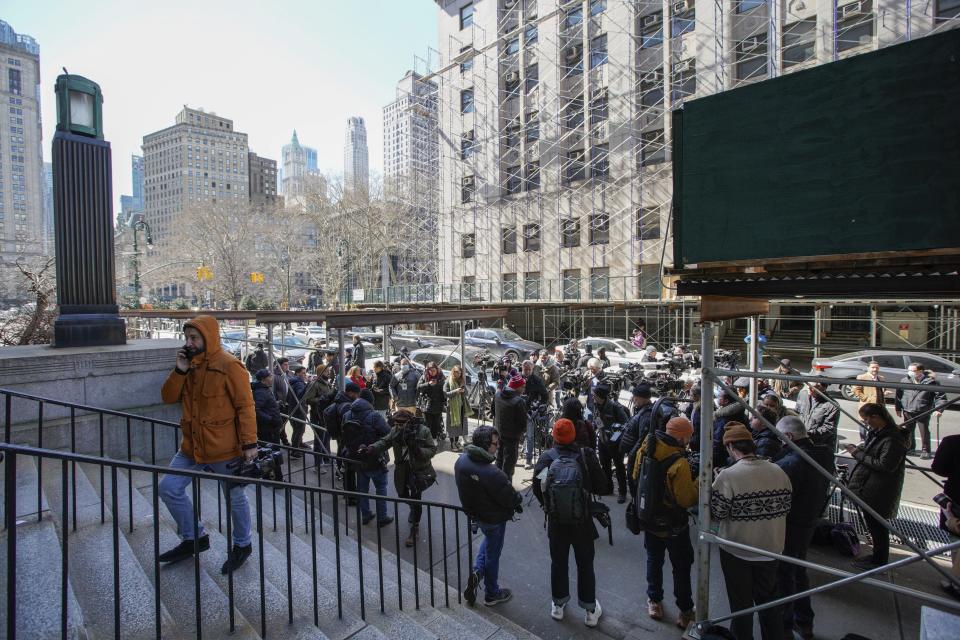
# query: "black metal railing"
{"points": [[314, 497]]}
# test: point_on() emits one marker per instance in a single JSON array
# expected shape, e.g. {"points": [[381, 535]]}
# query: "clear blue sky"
{"points": [[271, 67]]}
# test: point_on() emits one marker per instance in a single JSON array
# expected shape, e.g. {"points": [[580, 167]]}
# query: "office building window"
{"points": [[569, 233], [531, 238], [599, 283], [509, 286], [598, 51], [571, 284], [684, 18], [466, 100], [530, 34], [648, 223], [512, 184], [508, 240], [531, 285], [653, 149], [651, 89], [468, 245], [468, 288], [576, 168], [466, 16], [599, 161], [573, 113], [532, 78], [799, 41], [651, 30], [573, 17], [467, 64], [573, 60], [468, 145], [532, 129], [854, 24], [947, 10], [684, 80], [742, 6], [599, 228], [532, 176], [512, 47], [648, 281], [752, 57], [599, 106], [597, 7], [14, 82], [467, 189]]}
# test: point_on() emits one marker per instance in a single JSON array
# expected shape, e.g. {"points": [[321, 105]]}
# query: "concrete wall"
{"points": [[123, 378]]}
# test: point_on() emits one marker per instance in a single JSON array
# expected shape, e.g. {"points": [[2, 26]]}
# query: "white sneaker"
{"points": [[556, 610], [593, 617]]}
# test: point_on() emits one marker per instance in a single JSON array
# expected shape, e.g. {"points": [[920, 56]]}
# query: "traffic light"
{"points": [[256, 277], [204, 273]]}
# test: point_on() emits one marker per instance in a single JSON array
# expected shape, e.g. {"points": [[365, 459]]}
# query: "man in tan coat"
{"points": [[219, 426], [869, 394]]}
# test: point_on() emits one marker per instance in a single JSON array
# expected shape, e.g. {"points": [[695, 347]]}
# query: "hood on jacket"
{"points": [[256, 384], [666, 447], [509, 393], [360, 406], [477, 454], [210, 330]]}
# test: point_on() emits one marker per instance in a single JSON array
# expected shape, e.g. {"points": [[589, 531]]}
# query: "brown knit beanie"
{"points": [[734, 432]]}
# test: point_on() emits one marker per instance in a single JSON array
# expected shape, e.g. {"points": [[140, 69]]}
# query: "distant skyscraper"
{"points": [[48, 237], [298, 163], [130, 205], [262, 179], [22, 229], [200, 159], [356, 162]]}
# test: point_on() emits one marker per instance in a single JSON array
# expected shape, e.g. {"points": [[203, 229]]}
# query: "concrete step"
{"points": [[177, 582], [91, 557], [454, 622], [328, 624], [38, 569]]}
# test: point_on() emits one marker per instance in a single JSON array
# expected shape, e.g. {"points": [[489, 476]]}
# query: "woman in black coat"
{"points": [[433, 399], [380, 385], [877, 477]]}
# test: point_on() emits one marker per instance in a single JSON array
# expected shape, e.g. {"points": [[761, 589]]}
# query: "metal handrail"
{"points": [[312, 495], [711, 376]]}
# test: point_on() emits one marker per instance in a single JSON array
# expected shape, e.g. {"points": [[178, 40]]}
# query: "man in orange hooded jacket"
{"points": [[219, 426]]}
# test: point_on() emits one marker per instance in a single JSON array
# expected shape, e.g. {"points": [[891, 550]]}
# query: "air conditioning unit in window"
{"points": [[599, 131], [683, 6], [510, 4], [852, 10], [469, 135], [573, 52], [684, 66], [651, 21], [750, 44], [467, 181], [513, 77], [653, 77]]}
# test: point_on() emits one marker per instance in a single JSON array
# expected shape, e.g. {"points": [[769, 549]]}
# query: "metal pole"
{"points": [[387, 347], [754, 358], [270, 348], [873, 325], [136, 269], [706, 470], [463, 350], [816, 331], [342, 355]]}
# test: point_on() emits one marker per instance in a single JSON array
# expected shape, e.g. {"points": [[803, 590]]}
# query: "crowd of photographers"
{"points": [[766, 493]]}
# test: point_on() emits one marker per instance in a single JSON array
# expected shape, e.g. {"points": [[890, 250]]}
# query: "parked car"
{"points": [[893, 367], [412, 341], [449, 357], [313, 334], [232, 342], [292, 347], [621, 353], [371, 353], [501, 342], [367, 334]]}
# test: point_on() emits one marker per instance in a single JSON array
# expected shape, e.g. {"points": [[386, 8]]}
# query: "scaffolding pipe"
{"points": [[342, 355], [702, 605], [754, 357], [833, 480]]}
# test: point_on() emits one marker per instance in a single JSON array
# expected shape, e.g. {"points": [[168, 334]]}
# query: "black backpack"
{"points": [[653, 509], [565, 497]]}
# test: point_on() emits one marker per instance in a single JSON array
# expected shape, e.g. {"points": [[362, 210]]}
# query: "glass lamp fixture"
{"points": [[79, 106]]}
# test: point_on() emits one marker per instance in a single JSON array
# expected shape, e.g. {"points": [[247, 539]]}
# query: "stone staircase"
{"points": [[300, 549]]}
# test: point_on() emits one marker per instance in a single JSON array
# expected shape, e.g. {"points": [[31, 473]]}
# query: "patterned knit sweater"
{"points": [[750, 502]]}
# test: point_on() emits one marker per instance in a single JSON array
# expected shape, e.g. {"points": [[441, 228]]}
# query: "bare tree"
{"points": [[32, 323]]}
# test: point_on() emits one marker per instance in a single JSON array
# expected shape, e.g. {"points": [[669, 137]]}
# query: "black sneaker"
{"points": [[621, 498], [184, 550], [503, 596], [238, 555], [470, 593], [367, 519], [384, 522]]}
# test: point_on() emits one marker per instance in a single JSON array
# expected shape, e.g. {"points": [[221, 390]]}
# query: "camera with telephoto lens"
{"points": [[268, 465]]}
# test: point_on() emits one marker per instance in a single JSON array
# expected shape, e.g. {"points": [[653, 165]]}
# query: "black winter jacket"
{"points": [[810, 488], [595, 481], [636, 429], [436, 398], [381, 390], [485, 491], [536, 389], [877, 477], [333, 414], [268, 411], [768, 444], [510, 415], [913, 401], [373, 426]]}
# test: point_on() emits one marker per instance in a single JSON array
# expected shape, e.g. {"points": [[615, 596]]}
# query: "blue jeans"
{"points": [[173, 492], [487, 563], [529, 449], [681, 558], [379, 479]]}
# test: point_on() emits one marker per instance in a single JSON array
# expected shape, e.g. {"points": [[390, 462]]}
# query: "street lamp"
{"points": [[139, 225]]}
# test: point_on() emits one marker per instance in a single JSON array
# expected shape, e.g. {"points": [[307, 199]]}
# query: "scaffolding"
{"points": [[553, 134]]}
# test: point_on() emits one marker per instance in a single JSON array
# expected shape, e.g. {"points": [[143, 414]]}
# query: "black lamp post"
{"points": [[88, 314], [139, 225]]}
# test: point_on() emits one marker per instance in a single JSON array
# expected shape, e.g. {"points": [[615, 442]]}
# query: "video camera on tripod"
{"points": [[268, 464]]}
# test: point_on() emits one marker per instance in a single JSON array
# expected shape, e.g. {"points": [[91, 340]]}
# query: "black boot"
{"points": [[184, 550], [238, 555]]}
